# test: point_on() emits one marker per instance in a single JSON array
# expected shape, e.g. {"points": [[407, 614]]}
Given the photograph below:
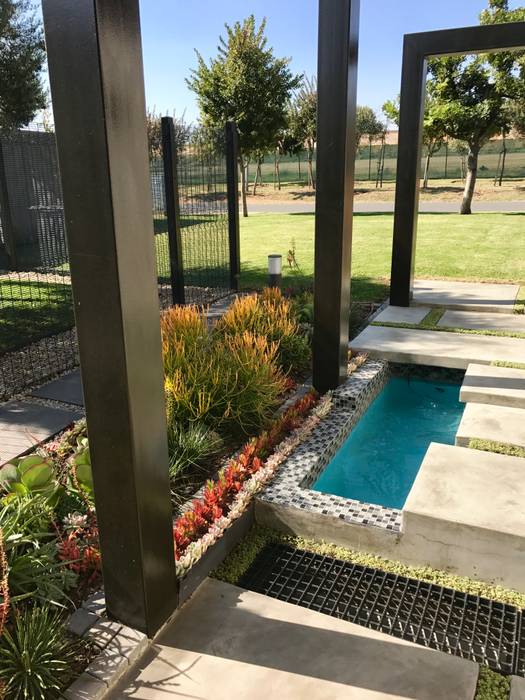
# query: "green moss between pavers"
{"points": [[492, 685], [242, 556], [432, 318], [499, 447], [449, 329], [511, 365]]}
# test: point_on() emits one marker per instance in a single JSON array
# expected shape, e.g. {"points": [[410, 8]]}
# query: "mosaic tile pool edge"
{"points": [[291, 485]]}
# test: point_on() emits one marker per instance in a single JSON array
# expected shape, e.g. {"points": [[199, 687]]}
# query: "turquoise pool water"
{"points": [[379, 460]]}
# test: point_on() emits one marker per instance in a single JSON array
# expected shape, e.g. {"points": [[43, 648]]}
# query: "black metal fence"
{"points": [[37, 327]]}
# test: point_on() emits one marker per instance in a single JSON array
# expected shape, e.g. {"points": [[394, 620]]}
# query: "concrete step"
{"points": [[270, 649], [465, 512], [488, 384], [496, 423], [438, 348], [67, 389], [466, 296], [483, 321]]}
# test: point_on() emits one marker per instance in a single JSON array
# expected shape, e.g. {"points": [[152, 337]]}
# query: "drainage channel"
{"points": [[462, 624]]}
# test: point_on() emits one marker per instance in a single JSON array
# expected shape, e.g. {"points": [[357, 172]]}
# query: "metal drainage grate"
{"points": [[458, 623]]}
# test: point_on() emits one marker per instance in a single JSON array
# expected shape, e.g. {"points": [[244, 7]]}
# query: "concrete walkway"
{"points": [[437, 348], [496, 423], [230, 643], [499, 386], [466, 296]]}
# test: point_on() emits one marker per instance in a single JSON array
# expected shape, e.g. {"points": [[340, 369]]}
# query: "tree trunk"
{"points": [[311, 180], [470, 182], [258, 177], [243, 188], [427, 167]]}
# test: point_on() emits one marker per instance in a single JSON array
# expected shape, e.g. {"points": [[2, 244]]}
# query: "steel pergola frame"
{"points": [[417, 49]]}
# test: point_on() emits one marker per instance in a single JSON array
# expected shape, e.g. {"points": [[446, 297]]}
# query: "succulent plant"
{"points": [[31, 475], [82, 467]]}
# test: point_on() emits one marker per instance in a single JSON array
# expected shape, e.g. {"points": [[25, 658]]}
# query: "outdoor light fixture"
{"points": [[275, 269]]}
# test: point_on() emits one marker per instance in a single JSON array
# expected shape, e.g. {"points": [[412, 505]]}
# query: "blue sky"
{"points": [[171, 30]]}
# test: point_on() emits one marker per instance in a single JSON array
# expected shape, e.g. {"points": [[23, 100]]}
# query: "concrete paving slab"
{"points": [[465, 511], [517, 688], [497, 423], [230, 643], [488, 384], [468, 296], [23, 425], [402, 314], [67, 389], [483, 321], [438, 348]]}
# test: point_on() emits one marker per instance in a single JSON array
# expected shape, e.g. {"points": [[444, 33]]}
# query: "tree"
{"points": [[303, 123], [433, 132], [154, 132], [245, 83], [22, 56], [367, 124], [471, 94]]}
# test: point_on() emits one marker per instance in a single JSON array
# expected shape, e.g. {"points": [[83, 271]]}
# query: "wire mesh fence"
{"points": [[447, 163], [37, 326]]}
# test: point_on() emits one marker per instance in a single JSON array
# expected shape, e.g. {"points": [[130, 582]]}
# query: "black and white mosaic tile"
{"points": [[291, 486]]}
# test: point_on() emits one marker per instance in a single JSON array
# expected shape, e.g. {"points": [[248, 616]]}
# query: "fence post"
{"points": [[232, 178], [95, 69], [5, 214], [171, 189]]}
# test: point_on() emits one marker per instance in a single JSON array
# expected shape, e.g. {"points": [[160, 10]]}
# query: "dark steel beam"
{"points": [[6, 219], [417, 48], [336, 113], [232, 182], [95, 69], [171, 190], [411, 112]]}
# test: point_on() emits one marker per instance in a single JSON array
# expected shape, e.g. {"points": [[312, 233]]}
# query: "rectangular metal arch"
{"points": [[232, 179], [336, 114], [417, 48], [171, 190], [96, 75]]}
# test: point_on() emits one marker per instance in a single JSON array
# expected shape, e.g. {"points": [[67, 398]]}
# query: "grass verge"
{"points": [[510, 365], [500, 447], [492, 685], [242, 556]]}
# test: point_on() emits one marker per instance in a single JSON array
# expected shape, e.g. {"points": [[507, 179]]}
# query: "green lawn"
{"points": [[30, 311], [477, 247]]}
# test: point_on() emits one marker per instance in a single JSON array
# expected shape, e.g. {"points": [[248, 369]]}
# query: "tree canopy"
{"points": [[367, 124], [245, 83], [22, 56]]}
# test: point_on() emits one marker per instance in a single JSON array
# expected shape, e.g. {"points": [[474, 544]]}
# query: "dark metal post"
{"points": [[336, 113], [171, 189], [232, 177], [411, 111], [95, 69], [5, 214]]}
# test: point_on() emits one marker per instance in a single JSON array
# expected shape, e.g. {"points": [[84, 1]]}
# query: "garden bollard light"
{"points": [[275, 267]]}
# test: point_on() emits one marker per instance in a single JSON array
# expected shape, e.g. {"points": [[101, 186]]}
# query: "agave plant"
{"points": [[29, 476]]}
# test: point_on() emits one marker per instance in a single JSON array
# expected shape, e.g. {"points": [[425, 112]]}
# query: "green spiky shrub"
{"points": [[35, 655], [191, 449]]}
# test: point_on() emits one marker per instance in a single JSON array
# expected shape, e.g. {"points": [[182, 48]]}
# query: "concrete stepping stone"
{"points": [[24, 425], [402, 314], [517, 688], [270, 649], [489, 384], [465, 512], [67, 389], [483, 321], [468, 296], [437, 348], [496, 423]]}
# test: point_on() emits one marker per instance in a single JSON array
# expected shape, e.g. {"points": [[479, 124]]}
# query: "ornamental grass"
{"points": [[232, 383]]}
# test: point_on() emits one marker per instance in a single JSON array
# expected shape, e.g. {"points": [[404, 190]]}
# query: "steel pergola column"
{"points": [[95, 68], [335, 166]]}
